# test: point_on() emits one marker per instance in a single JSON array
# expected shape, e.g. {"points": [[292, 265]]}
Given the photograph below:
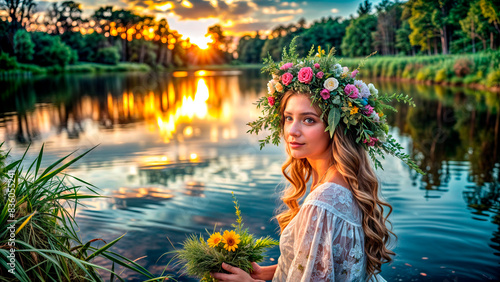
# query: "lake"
{"points": [[173, 147]]}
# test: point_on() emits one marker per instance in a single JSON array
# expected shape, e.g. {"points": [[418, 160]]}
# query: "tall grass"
{"points": [[45, 243]]}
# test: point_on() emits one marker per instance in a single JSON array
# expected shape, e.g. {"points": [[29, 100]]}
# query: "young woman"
{"points": [[330, 123]]}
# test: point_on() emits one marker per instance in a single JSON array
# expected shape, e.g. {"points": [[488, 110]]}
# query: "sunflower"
{"points": [[231, 240], [214, 239]]}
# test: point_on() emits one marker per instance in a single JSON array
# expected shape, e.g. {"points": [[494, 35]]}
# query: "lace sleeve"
{"points": [[326, 246]]}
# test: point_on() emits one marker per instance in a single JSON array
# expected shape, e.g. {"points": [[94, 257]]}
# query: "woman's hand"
{"points": [[258, 272], [236, 274]]}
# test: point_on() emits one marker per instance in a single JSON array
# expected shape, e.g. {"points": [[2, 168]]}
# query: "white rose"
{"points": [[270, 86], [331, 84], [372, 89], [345, 70], [375, 117]]}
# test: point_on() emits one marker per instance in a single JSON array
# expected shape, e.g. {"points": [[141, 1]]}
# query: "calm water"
{"points": [[172, 148]]}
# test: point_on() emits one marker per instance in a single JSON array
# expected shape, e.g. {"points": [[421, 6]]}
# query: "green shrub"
{"points": [[108, 55], [7, 62], [493, 78], [440, 75]]}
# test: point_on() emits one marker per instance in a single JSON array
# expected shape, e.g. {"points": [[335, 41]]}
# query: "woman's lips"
{"points": [[296, 145]]}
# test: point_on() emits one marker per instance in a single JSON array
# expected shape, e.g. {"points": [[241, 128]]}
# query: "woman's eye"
{"points": [[309, 120], [288, 118]]}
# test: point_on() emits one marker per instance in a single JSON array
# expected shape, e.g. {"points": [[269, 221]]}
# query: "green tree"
{"points": [[358, 38], [475, 25], [20, 13], [63, 17], [388, 22], [108, 55], [24, 48], [51, 51], [364, 8]]}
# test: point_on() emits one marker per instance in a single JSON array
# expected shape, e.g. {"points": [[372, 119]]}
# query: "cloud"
{"points": [[200, 10], [334, 10], [284, 19], [274, 11]]}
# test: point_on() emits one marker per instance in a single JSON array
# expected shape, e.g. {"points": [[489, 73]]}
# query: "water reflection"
{"points": [[173, 147]]}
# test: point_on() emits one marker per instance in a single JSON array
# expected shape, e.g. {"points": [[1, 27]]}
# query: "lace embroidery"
{"points": [[325, 241]]}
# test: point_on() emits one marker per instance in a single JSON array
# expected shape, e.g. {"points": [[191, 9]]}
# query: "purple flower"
{"points": [[287, 78], [371, 142], [316, 65], [351, 91], [354, 73], [320, 74], [271, 100], [286, 66], [325, 93], [305, 75], [368, 110]]}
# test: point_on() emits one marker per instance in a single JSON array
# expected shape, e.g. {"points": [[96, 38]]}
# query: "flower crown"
{"points": [[340, 97]]}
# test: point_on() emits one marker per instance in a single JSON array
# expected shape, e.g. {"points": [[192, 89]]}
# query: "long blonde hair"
{"points": [[351, 160]]}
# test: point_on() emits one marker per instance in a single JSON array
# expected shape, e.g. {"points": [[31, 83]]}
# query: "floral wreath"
{"points": [[338, 94]]}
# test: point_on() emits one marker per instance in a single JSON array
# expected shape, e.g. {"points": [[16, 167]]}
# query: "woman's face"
{"points": [[304, 131]]}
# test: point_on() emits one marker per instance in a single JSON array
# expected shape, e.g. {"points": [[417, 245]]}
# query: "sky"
{"points": [[192, 18]]}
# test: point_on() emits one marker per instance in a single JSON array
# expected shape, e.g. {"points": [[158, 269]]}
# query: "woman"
{"points": [[329, 122]]}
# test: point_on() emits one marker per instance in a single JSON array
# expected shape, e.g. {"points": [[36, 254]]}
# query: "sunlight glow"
{"points": [[202, 42], [187, 4], [164, 7]]}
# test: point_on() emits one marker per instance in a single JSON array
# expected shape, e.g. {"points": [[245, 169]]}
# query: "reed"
{"points": [[41, 204]]}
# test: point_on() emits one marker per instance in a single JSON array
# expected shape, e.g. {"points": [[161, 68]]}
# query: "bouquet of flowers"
{"points": [[235, 247]]}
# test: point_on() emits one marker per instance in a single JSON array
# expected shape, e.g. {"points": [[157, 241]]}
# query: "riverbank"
{"points": [[478, 71]]}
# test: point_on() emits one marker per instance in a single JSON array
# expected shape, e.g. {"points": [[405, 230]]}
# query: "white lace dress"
{"points": [[325, 240]]}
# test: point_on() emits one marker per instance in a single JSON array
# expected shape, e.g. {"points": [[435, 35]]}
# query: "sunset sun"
{"points": [[201, 42]]}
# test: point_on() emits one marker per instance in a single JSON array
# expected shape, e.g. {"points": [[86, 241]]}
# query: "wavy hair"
{"points": [[351, 160]]}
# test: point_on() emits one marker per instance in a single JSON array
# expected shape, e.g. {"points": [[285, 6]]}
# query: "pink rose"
{"points": [[368, 110], [316, 65], [371, 142], [271, 100], [287, 78], [351, 91], [286, 66], [305, 75], [354, 73], [320, 74], [325, 93]]}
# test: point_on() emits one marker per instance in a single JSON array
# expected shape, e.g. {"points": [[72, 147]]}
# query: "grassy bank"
{"points": [[481, 70]]}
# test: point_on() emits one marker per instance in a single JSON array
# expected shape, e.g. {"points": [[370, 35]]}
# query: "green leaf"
{"points": [[333, 120]]}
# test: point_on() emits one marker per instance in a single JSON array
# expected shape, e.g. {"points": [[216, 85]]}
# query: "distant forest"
{"points": [[415, 27]]}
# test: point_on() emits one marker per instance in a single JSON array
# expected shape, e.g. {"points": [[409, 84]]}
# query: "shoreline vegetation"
{"points": [[475, 71]]}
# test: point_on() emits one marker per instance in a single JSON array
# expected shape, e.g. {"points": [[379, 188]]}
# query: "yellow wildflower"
{"points": [[381, 114], [354, 110], [230, 240], [215, 239]]}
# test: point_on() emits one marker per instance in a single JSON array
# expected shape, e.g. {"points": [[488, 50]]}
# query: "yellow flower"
{"points": [[279, 87], [354, 110], [215, 239], [231, 240], [381, 114]]}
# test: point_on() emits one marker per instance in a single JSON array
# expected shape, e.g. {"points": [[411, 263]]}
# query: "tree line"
{"points": [[415, 27], [62, 36]]}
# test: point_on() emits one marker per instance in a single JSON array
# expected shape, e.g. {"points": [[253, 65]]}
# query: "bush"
{"points": [[108, 55], [462, 67], [7, 62], [440, 76], [493, 78]]}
